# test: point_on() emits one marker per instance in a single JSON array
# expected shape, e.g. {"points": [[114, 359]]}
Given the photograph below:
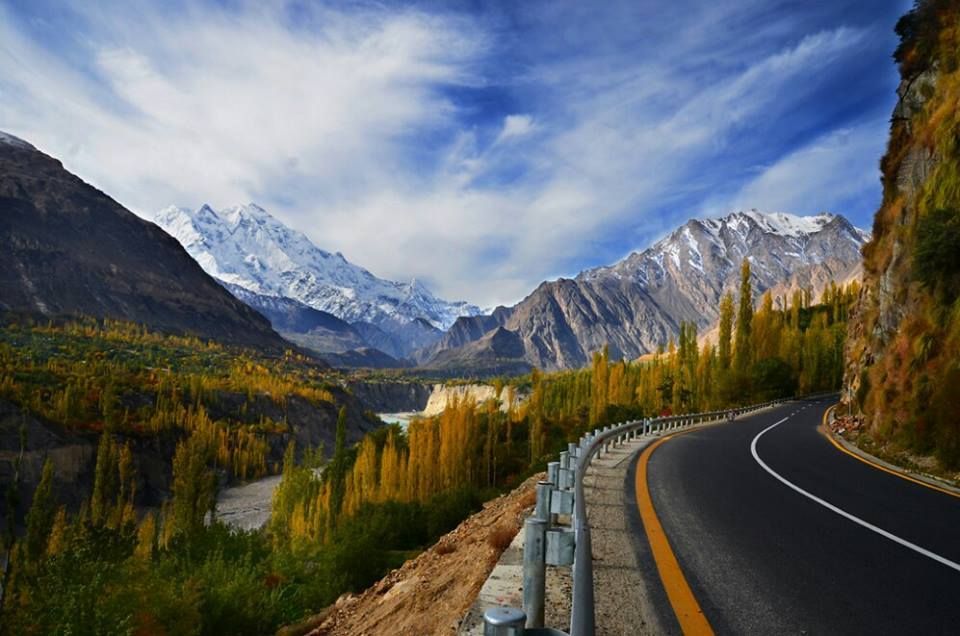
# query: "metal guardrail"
{"points": [[547, 543]]}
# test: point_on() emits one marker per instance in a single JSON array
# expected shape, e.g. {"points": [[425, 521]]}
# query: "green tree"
{"points": [[742, 345], [726, 329], [105, 480], [194, 487], [40, 517], [339, 462]]}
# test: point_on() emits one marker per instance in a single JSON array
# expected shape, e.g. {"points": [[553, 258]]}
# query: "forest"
{"points": [[338, 522]]}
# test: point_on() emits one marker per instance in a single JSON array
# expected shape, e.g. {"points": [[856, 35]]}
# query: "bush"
{"points": [[936, 257]]}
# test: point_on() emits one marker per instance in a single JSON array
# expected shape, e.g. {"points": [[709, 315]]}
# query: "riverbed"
{"points": [[247, 506]]}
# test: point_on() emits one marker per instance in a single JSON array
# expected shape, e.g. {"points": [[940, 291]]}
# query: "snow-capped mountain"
{"points": [[708, 251], [637, 303], [246, 246]]}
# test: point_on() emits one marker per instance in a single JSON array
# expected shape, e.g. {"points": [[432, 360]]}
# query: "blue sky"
{"points": [[479, 146]]}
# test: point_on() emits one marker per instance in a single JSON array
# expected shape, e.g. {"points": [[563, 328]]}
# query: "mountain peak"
{"points": [[247, 246], [781, 223]]}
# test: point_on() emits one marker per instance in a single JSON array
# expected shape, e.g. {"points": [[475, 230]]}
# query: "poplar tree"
{"points": [[742, 337], [194, 487], [41, 515], [338, 463]]}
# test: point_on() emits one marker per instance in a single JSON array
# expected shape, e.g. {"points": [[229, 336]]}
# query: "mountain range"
{"points": [[67, 249], [636, 304], [247, 247]]}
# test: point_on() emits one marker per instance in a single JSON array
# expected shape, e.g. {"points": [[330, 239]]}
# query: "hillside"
{"points": [[904, 342], [431, 593], [67, 249], [75, 384]]}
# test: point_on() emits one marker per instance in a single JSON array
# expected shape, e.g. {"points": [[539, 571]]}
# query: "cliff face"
{"points": [[443, 395], [904, 340], [391, 397]]}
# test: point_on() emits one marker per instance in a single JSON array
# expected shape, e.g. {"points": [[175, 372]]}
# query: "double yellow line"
{"points": [[685, 606]]}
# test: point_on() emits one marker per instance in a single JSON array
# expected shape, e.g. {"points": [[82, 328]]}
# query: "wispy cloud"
{"points": [[482, 150]]}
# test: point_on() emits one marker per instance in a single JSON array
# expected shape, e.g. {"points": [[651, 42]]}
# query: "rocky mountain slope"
{"points": [[904, 338], [299, 323], [246, 246], [68, 249], [636, 304]]}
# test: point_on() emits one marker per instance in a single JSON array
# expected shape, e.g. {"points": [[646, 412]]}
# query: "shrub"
{"points": [[936, 257], [501, 538]]}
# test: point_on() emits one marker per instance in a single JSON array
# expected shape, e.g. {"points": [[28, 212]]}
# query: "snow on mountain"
{"points": [[709, 250], [246, 246]]}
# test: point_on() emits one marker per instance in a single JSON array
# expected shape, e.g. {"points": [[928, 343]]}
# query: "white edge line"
{"points": [[844, 513]]}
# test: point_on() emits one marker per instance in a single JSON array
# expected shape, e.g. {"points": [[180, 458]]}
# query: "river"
{"points": [[247, 506]]}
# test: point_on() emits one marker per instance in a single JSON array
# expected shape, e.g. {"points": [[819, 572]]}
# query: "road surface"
{"points": [[775, 531]]}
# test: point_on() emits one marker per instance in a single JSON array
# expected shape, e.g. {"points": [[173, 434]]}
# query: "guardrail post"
{"points": [[542, 509], [534, 570], [553, 469], [581, 610], [504, 621]]}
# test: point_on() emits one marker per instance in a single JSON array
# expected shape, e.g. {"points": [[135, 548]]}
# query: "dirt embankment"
{"points": [[431, 593]]}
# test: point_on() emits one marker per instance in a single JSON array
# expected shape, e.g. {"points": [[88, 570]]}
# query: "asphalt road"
{"points": [[763, 558]]}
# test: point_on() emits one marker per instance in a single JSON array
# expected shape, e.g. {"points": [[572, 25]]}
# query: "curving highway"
{"points": [[762, 526]]}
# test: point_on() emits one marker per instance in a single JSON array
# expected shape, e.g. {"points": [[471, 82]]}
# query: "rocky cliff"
{"points": [[444, 395], [391, 397], [904, 340]]}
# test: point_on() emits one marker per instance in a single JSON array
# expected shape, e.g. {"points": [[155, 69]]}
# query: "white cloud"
{"points": [[515, 126], [345, 130], [832, 172]]}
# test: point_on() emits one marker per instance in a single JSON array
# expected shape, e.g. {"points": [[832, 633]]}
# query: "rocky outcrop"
{"points": [[67, 249], [443, 396]]}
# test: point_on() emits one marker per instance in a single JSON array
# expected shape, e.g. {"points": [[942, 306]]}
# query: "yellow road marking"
{"points": [[685, 606], [839, 446]]}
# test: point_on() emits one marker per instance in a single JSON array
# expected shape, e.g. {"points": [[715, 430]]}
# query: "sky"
{"points": [[481, 147]]}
